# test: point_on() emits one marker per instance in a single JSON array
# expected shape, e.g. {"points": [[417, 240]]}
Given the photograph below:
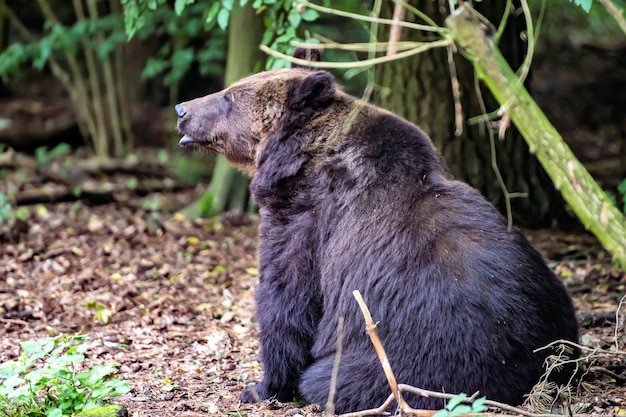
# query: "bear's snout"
{"points": [[180, 110]]}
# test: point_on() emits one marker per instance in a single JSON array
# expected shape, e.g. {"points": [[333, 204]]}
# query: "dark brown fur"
{"points": [[353, 197]]}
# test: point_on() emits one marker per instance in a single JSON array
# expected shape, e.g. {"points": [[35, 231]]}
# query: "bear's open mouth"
{"points": [[187, 141], [191, 143]]}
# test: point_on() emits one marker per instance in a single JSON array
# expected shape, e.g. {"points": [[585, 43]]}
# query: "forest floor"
{"points": [[180, 298]]}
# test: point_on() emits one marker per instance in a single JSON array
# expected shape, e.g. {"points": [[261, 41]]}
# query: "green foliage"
{"points": [[5, 210], [48, 379], [181, 28], [455, 407], [282, 19], [61, 38], [584, 4], [9, 214], [99, 310], [43, 155]]}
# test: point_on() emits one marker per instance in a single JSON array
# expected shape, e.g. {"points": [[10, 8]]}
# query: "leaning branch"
{"points": [[579, 189]]}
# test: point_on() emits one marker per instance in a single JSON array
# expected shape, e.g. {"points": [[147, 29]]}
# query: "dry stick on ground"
{"points": [[617, 321], [330, 404]]}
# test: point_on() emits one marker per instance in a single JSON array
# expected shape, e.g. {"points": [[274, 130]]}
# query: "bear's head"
{"points": [[237, 121]]}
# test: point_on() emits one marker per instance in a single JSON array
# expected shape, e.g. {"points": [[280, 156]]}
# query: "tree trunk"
{"points": [[419, 89], [245, 32]]}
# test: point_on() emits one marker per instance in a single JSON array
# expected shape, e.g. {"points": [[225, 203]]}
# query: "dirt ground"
{"points": [[180, 294]]}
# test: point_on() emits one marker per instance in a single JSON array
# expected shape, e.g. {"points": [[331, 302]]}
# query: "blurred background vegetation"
{"points": [[101, 77]]}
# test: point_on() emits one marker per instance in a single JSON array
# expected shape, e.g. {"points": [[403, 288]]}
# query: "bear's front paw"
{"points": [[251, 394], [260, 392]]}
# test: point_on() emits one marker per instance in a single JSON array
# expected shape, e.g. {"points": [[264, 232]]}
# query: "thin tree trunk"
{"points": [[419, 89]]}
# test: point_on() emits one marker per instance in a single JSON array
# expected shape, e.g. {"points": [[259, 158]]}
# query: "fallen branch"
{"points": [[96, 193], [83, 180]]}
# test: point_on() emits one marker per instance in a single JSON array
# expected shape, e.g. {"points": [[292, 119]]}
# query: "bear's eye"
{"points": [[225, 105]]}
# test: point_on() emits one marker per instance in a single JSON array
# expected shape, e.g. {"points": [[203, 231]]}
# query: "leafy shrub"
{"points": [[282, 18], [48, 379]]}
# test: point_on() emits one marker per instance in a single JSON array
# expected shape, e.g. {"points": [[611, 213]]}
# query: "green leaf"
{"points": [[310, 15], [584, 4], [54, 412], [458, 399], [179, 6], [21, 213], [479, 406], [222, 18], [212, 14], [295, 18]]}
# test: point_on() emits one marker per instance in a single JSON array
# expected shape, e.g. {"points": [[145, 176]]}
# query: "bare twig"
{"points": [[330, 404], [592, 351], [361, 17], [380, 351], [616, 13], [522, 73], [364, 63], [617, 322], [456, 93], [505, 17], [395, 33], [373, 411], [327, 43], [494, 156]]}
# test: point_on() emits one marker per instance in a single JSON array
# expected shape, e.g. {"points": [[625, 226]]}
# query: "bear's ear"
{"points": [[314, 92], [314, 55]]}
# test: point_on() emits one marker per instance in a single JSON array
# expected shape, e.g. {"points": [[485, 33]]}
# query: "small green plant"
{"points": [[5, 210], [455, 407], [9, 214], [49, 379], [43, 155]]}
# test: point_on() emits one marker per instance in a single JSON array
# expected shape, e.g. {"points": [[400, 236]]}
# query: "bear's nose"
{"points": [[180, 110]]}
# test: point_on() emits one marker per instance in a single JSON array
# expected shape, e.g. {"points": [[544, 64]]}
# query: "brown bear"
{"points": [[352, 197]]}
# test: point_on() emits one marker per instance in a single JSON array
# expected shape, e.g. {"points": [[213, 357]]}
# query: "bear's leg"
{"points": [[361, 383], [287, 321]]}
